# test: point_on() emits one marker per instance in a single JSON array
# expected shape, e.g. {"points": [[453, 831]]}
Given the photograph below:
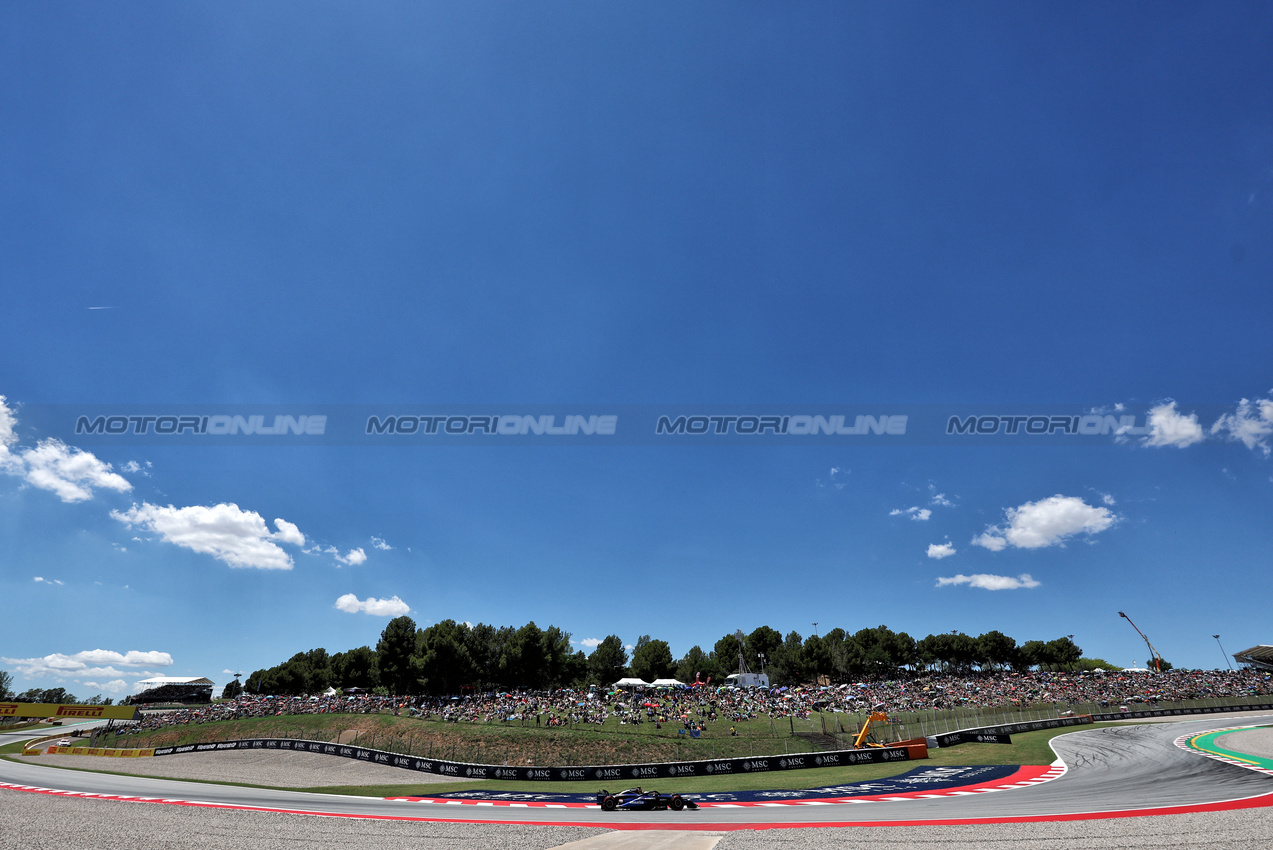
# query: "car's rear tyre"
{"points": [[676, 803], [608, 804]]}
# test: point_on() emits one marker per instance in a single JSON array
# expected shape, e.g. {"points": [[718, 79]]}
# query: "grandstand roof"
{"points": [[176, 680], [1257, 656]]}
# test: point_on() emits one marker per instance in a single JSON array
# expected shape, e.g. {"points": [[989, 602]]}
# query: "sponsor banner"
{"points": [[925, 780], [69, 712], [596, 773], [964, 736], [1180, 712], [107, 752]]}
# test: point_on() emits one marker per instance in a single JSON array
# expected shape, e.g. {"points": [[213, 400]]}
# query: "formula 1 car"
{"points": [[636, 800]]}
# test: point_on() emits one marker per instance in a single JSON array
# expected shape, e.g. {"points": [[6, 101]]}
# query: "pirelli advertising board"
{"points": [[69, 712]]}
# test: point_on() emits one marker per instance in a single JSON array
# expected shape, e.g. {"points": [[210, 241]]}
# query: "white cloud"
{"points": [[69, 473], [1169, 428], [52, 465], [379, 543], [41, 579], [81, 663], [1047, 522], [916, 513], [288, 533], [591, 643], [940, 500], [116, 686], [353, 558], [237, 537], [990, 582], [8, 435], [990, 541], [393, 607], [1251, 423], [940, 550]]}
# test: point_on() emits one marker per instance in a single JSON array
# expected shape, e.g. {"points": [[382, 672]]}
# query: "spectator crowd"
{"points": [[695, 706]]}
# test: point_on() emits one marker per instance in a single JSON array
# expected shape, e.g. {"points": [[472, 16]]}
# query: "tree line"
{"points": [[451, 658], [51, 696]]}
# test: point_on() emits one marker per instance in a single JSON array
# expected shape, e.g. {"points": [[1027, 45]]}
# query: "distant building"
{"points": [[170, 689], [1260, 657]]}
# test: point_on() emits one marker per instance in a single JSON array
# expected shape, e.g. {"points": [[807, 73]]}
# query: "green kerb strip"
{"points": [[1206, 743]]}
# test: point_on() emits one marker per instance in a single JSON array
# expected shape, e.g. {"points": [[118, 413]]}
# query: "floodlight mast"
{"points": [[1157, 659]]}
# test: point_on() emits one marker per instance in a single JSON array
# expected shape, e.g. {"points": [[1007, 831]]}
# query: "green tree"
{"points": [[557, 655], [700, 665], [397, 655], [608, 662], [484, 651], [817, 656], [726, 652], [1033, 653], [652, 659], [232, 689], [57, 696], [574, 671], [787, 666], [762, 641], [6, 685], [355, 668], [525, 660], [445, 663], [1091, 664], [998, 650], [1063, 653]]}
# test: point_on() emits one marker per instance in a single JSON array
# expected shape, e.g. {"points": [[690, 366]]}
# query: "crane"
{"points": [[1156, 658]]}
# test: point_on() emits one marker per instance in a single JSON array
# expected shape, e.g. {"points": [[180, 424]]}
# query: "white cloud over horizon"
{"points": [[1047, 522], [230, 534], [986, 581], [591, 643], [392, 607], [89, 663]]}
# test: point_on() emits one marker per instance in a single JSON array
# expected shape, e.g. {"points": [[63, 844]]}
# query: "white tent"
{"points": [[631, 683], [667, 683]]}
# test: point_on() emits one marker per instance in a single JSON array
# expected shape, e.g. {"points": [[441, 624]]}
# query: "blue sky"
{"points": [[561, 208]]}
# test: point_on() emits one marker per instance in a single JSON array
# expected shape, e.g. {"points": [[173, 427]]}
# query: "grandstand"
{"points": [[172, 689], [1260, 657]]}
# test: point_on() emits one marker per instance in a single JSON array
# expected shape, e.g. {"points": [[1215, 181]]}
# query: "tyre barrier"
{"points": [[665, 770]]}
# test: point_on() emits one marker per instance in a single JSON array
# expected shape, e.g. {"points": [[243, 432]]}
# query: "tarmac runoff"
{"points": [[40, 820]]}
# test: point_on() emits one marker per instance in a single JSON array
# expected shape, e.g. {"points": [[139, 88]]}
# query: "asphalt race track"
{"points": [[1125, 786]]}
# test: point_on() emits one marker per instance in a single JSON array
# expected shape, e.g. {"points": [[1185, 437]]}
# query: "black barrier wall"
{"points": [[964, 736], [599, 773], [1180, 712]]}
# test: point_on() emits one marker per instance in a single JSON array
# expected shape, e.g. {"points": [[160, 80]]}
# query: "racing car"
{"points": [[637, 800]]}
